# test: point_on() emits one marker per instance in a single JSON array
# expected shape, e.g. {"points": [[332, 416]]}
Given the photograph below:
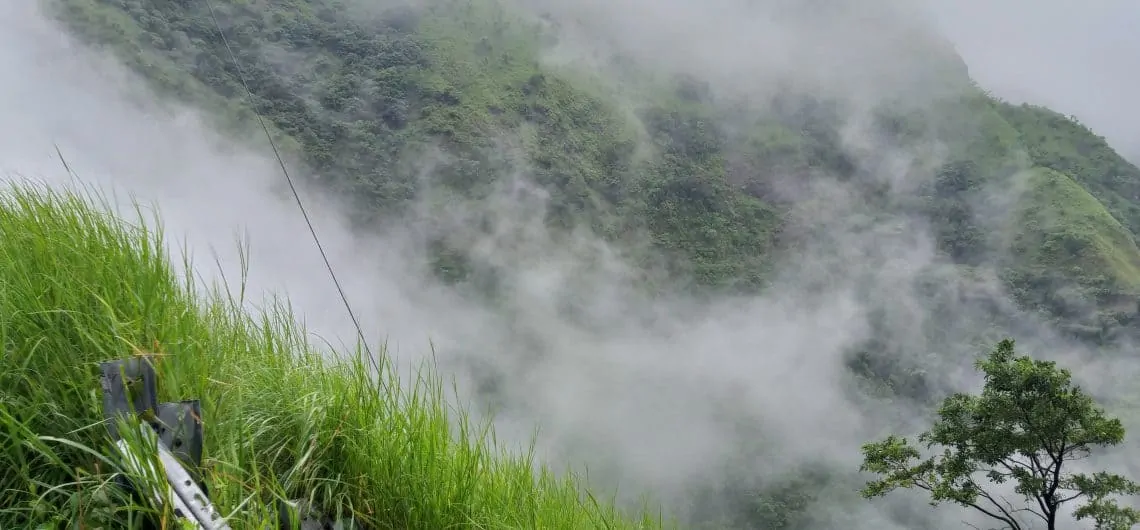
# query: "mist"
{"points": [[1079, 60], [652, 393]]}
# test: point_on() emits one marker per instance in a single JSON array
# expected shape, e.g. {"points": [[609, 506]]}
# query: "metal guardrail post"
{"points": [[130, 388]]}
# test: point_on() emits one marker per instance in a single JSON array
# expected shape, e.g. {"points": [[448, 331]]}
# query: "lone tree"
{"points": [[1029, 421]]}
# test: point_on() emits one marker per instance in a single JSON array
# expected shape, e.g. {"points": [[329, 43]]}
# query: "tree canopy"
{"points": [[1027, 427]]}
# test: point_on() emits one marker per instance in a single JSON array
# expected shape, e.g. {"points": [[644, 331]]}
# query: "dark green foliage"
{"points": [[359, 95], [1029, 422], [950, 205], [784, 503], [691, 209], [363, 97]]}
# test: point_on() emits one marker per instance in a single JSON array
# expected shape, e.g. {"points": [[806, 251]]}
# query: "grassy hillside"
{"points": [[1070, 247], [81, 286], [1063, 144], [1065, 229]]}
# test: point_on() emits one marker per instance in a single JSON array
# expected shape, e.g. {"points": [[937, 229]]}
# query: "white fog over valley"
{"points": [[651, 393]]}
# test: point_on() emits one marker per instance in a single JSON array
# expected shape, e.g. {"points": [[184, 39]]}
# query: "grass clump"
{"points": [[79, 286]]}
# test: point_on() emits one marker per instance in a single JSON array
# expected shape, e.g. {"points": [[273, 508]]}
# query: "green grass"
{"points": [[1064, 229], [1062, 144], [81, 286]]}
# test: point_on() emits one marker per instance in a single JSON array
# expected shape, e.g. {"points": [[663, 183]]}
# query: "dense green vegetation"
{"points": [[660, 163], [370, 95], [282, 421], [1062, 144], [1069, 238], [359, 94], [1027, 427]]}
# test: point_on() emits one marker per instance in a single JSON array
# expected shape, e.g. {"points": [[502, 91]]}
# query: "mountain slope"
{"points": [[362, 94], [1070, 246], [711, 178], [1059, 142], [369, 100]]}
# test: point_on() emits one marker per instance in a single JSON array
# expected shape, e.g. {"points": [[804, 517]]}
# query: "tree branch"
{"points": [[1041, 472], [1032, 470], [1071, 497], [1057, 479], [1040, 435], [1008, 517], [1006, 462]]}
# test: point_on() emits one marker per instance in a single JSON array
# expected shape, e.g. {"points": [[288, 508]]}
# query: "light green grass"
{"points": [[1064, 228], [79, 286]]}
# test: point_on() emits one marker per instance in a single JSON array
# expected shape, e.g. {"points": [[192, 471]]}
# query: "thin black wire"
{"points": [[293, 188]]}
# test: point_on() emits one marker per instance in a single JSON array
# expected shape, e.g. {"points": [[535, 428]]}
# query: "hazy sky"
{"points": [[1080, 58]]}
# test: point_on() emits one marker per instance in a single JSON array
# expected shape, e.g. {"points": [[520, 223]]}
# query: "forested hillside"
{"points": [[362, 92], [710, 190]]}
